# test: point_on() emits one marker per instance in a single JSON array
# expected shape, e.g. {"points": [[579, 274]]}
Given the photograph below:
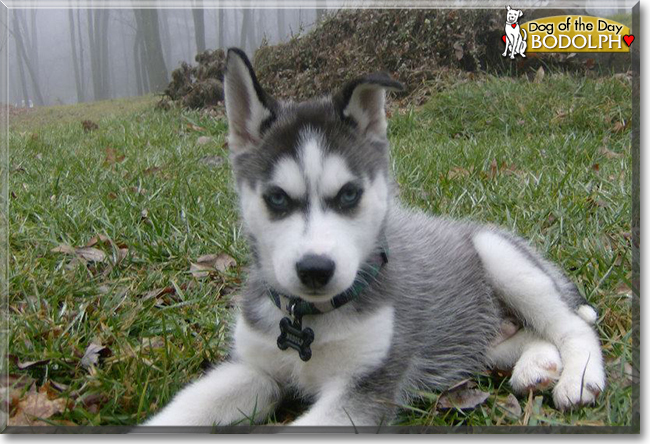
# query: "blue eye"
{"points": [[277, 200], [349, 196]]}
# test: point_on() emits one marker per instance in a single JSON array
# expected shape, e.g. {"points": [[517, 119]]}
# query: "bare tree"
{"points": [[99, 57], [147, 23], [220, 31], [199, 25], [75, 59], [24, 59]]}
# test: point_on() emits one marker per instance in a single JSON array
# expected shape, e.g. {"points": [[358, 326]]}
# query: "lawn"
{"points": [[113, 305]]}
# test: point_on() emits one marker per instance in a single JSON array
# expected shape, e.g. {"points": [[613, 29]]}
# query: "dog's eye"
{"points": [[349, 196], [277, 200]]}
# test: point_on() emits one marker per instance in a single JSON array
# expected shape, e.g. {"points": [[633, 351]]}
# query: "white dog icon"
{"points": [[514, 41]]}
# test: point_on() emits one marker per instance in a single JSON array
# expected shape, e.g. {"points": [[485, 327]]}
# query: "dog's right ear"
{"points": [[363, 100], [248, 107]]}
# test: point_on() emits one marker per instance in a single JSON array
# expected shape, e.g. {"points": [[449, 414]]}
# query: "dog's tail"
{"points": [[525, 33]]}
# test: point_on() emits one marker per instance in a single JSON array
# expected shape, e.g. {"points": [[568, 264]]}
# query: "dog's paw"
{"points": [[575, 389], [537, 369]]}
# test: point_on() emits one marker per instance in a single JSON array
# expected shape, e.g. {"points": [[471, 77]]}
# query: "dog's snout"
{"points": [[315, 271]]}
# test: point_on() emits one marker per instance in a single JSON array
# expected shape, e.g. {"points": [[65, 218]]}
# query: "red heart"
{"points": [[514, 25], [503, 37], [628, 39]]}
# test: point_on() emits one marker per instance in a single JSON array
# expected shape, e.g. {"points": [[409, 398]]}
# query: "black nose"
{"points": [[315, 271]]}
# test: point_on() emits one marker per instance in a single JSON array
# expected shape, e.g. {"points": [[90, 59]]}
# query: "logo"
{"points": [[514, 40], [567, 33]]}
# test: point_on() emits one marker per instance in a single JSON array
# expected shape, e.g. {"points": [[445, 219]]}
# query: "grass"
{"points": [[549, 160]]}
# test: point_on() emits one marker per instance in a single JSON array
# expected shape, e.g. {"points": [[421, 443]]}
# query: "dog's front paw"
{"points": [[579, 388], [537, 369]]}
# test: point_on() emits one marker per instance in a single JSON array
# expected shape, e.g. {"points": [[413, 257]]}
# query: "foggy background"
{"points": [[81, 55]]}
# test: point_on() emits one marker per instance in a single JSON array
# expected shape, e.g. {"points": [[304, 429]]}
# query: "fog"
{"points": [[79, 55]]}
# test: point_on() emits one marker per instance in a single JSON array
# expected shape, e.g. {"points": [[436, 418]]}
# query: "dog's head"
{"points": [[312, 178], [512, 16]]}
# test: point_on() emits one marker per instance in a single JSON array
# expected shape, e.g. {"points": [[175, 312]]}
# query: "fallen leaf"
{"points": [[91, 254], [208, 263], [610, 154], [213, 161], [29, 364], [100, 238], [151, 170], [112, 157], [463, 399], [36, 405], [620, 126], [66, 249], [539, 75], [89, 125], [203, 140], [511, 406], [459, 172], [192, 127], [595, 167], [93, 353]]}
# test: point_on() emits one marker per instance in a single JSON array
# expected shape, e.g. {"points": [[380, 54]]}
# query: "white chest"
{"points": [[345, 345]]}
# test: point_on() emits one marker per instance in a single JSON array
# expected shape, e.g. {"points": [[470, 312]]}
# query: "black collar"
{"points": [[296, 307], [292, 335]]}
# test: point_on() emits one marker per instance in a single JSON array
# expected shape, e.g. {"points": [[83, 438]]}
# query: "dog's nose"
{"points": [[315, 271]]}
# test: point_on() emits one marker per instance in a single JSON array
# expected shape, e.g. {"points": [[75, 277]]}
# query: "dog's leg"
{"points": [[345, 404], [229, 393], [535, 362], [523, 281]]}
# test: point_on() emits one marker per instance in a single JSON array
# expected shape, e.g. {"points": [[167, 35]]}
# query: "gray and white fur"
{"points": [[454, 298]]}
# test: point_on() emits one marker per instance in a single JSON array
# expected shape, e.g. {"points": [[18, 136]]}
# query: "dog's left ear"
{"points": [[363, 101], [248, 107], [521, 13]]}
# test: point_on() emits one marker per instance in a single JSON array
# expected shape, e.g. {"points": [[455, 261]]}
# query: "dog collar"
{"points": [[291, 332]]}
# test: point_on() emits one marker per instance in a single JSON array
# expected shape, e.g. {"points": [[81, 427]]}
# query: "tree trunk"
{"points": [[245, 26], [147, 22], [75, 60], [165, 35], [220, 30], [94, 55], [199, 28], [104, 55], [20, 46], [82, 68]]}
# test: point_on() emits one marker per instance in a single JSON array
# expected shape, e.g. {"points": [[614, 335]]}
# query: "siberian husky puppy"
{"points": [[353, 300]]}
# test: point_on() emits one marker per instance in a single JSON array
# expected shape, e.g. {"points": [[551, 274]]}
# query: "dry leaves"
{"points": [[213, 161], [610, 154], [462, 396], [92, 354], [36, 406], [510, 406], [203, 140], [539, 75], [89, 125], [211, 263], [113, 157]]}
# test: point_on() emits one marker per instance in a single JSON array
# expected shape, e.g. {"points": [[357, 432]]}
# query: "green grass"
{"points": [[523, 155]]}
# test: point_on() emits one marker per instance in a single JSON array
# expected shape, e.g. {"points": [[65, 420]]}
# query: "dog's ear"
{"points": [[248, 107], [363, 100], [521, 13]]}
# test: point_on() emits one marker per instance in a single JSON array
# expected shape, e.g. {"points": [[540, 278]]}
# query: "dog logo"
{"points": [[513, 38]]}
